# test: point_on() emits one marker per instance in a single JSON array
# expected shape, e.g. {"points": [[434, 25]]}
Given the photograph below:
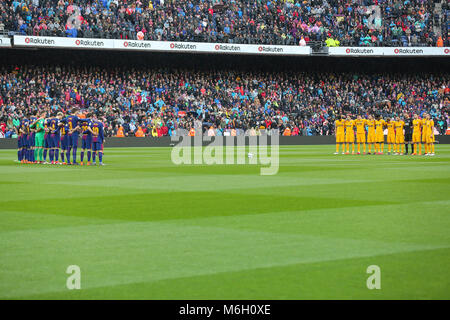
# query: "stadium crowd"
{"points": [[282, 22], [157, 102]]}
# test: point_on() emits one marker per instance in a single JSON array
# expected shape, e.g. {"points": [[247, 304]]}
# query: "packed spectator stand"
{"points": [[281, 22], [152, 101], [157, 102]]}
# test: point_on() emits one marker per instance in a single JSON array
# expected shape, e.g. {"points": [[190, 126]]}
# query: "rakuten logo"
{"points": [[31, 40], [446, 51], [225, 47], [358, 51], [137, 44], [183, 46], [270, 49], [89, 43], [408, 51]]}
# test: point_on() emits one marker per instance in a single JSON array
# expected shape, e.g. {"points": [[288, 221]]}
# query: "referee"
{"points": [[408, 133]]}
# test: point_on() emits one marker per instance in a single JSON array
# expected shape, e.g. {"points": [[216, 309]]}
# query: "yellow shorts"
{"points": [[390, 138], [424, 137], [416, 137], [371, 138], [360, 138], [430, 138], [350, 137], [380, 138], [400, 139], [340, 138]]}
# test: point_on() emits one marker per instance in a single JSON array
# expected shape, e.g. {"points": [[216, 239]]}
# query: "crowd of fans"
{"points": [[156, 102], [281, 22]]}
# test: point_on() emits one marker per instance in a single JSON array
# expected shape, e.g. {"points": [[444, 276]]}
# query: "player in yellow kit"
{"points": [[340, 134], [417, 124], [429, 135], [391, 135], [370, 133], [424, 134], [360, 133], [399, 136], [379, 135], [349, 134]]}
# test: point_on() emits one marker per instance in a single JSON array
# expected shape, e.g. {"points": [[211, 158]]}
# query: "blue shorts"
{"points": [[97, 146], [54, 140], [47, 141], [86, 142], [19, 142], [31, 140], [64, 142], [24, 141], [72, 140]]}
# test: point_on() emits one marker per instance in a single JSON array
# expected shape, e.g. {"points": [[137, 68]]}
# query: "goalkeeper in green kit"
{"points": [[39, 138]]}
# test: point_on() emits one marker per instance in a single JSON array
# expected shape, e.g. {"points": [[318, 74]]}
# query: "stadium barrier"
{"points": [[162, 46], [115, 142], [206, 47], [5, 42], [389, 51]]}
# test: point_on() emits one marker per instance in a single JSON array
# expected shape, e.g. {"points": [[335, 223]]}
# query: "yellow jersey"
{"points": [[370, 126], [391, 128], [349, 126], [360, 126], [417, 123], [379, 124], [399, 127], [429, 125], [340, 127]]}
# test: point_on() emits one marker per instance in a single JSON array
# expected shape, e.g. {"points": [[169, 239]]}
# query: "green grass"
{"points": [[144, 228]]}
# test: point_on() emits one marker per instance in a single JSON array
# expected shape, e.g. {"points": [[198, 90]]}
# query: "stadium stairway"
{"points": [[437, 18]]}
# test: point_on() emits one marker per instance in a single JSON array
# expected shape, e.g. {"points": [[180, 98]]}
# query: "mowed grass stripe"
{"points": [[38, 259], [172, 205], [218, 223], [337, 279]]}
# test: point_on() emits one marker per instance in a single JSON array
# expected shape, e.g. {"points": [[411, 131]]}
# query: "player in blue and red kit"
{"points": [[46, 139], [72, 122], [54, 138], [22, 140], [31, 139], [64, 140], [96, 128], [86, 140]]}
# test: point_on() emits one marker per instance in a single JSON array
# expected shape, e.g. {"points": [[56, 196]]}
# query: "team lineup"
{"points": [[401, 132], [41, 137]]}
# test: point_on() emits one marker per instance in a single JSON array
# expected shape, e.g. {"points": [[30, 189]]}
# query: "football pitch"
{"points": [[141, 227]]}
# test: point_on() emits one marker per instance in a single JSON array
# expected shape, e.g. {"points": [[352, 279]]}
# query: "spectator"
{"points": [[162, 101], [238, 21]]}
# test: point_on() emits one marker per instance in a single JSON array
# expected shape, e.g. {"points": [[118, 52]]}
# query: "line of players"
{"points": [[401, 133], [39, 137]]}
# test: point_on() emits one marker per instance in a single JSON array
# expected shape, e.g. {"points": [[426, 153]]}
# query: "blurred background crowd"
{"points": [[279, 22], [155, 102]]}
